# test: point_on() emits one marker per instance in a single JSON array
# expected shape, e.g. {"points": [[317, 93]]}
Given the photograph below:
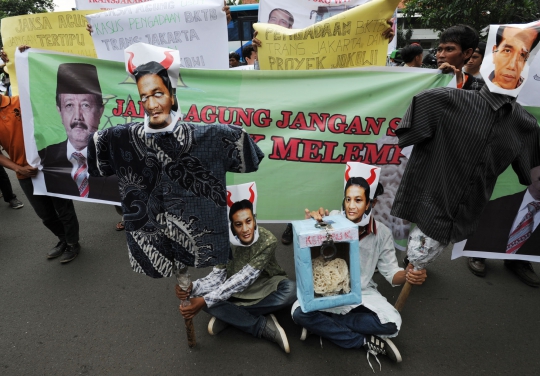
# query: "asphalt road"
{"points": [[94, 316]]}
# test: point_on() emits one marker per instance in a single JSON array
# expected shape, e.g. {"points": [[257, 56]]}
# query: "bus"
{"points": [[240, 29]]}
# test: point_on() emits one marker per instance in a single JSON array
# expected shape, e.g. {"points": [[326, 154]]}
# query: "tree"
{"points": [[10, 8], [441, 14]]}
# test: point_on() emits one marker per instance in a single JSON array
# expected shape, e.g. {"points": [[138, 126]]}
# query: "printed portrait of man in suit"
{"points": [[80, 105], [509, 224]]}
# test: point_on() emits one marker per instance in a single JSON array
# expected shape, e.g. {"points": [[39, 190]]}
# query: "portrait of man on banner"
{"points": [[510, 48], [79, 103]]}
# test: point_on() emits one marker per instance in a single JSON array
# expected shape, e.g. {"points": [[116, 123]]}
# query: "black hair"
{"points": [[463, 35], [291, 18], [500, 31], [234, 55], [481, 48], [378, 191], [408, 53], [357, 180], [247, 51], [237, 206]]}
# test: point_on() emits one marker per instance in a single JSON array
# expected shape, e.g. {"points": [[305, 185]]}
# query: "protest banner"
{"points": [[105, 4], [349, 39], [304, 13], [309, 123], [58, 31], [197, 29]]}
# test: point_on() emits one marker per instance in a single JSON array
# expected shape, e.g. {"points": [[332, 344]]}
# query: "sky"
{"points": [[64, 5]]}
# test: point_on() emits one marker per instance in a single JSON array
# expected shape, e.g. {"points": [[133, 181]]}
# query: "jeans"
{"points": [[250, 319], [57, 214], [347, 331], [5, 186]]}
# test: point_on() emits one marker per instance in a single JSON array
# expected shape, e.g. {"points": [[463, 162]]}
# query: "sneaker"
{"points": [[524, 271], [304, 334], [15, 204], [377, 345], [72, 251], [215, 326], [477, 266], [58, 250], [286, 237], [274, 332]]}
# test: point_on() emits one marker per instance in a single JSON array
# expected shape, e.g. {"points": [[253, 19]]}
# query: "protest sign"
{"points": [[59, 31], [196, 28], [304, 13], [105, 4], [349, 39]]}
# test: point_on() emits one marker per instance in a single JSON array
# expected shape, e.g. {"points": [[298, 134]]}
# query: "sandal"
{"points": [[120, 226]]}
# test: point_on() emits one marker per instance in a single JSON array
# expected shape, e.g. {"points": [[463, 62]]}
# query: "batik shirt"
{"points": [[251, 275], [463, 141], [173, 190]]}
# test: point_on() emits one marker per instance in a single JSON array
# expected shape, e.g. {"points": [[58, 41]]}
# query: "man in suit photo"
{"points": [[509, 225], [80, 105]]}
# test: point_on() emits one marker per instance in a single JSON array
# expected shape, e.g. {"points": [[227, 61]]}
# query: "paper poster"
{"points": [[105, 4], [302, 13], [349, 39], [242, 213], [197, 29], [58, 31], [508, 228], [510, 51]]}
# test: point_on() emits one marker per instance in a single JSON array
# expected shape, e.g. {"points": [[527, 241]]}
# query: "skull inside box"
{"points": [[327, 275]]}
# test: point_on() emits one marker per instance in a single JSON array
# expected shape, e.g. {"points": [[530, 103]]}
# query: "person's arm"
{"points": [[242, 153], [100, 163], [27, 171]]}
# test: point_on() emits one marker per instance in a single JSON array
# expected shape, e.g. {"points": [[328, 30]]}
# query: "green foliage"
{"points": [[9, 8], [441, 14]]}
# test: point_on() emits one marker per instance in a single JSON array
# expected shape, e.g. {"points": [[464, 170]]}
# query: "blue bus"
{"points": [[240, 29]]}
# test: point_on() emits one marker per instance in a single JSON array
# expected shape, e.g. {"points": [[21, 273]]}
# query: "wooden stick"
{"points": [[403, 295], [190, 331]]}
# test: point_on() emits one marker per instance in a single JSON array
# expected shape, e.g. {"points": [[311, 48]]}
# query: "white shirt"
{"points": [[70, 150], [523, 211]]}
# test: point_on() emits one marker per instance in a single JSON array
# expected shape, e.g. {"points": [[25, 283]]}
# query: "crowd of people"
{"points": [[183, 224]]}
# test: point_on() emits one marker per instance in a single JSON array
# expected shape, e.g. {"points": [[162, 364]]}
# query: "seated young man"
{"points": [[249, 288], [369, 324]]}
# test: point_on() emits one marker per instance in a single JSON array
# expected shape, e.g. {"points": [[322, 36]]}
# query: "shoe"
{"points": [[286, 237], [524, 271], [376, 345], [70, 253], [57, 250], [215, 326], [477, 266], [304, 334], [15, 204], [274, 332]]}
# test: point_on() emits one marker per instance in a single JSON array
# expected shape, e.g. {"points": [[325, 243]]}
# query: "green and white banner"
{"points": [[308, 124]]}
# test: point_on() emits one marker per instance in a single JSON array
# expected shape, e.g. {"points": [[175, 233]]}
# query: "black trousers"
{"points": [[5, 185], [57, 214]]}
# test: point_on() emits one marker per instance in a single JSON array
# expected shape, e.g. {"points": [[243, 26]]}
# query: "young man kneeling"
{"points": [[249, 288], [369, 324]]}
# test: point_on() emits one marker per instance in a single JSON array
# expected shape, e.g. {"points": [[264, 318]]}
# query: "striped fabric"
{"points": [[523, 231], [81, 174], [463, 141]]}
